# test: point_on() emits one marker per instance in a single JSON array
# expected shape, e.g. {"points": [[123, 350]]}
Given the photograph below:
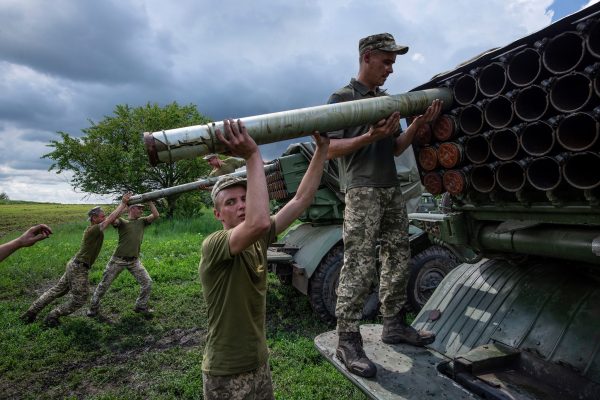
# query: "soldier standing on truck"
{"points": [[375, 209], [127, 255], [75, 278], [223, 167], [233, 270]]}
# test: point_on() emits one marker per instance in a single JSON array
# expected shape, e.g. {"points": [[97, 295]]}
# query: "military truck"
{"points": [[310, 255], [519, 153]]}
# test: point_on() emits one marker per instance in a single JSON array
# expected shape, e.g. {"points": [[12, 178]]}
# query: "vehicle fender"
{"points": [[312, 243]]}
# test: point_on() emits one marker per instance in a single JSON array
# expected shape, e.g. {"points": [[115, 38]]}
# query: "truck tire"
{"points": [[427, 269], [324, 282]]}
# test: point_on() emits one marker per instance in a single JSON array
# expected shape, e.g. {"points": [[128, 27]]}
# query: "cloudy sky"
{"points": [[66, 62]]}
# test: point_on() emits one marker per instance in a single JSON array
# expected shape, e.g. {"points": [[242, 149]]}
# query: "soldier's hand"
{"points": [[385, 127], [430, 115], [34, 234], [126, 197], [236, 138], [322, 140]]}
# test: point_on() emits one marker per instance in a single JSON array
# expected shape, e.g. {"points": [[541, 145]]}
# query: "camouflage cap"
{"points": [[381, 41], [209, 156], [140, 205], [224, 183], [94, 211]]}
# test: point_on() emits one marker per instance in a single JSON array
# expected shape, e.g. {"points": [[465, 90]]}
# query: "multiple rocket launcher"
{"points": [[525, 126]]}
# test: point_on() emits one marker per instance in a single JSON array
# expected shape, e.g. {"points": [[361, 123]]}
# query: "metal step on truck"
{"points": [[519, 154]]}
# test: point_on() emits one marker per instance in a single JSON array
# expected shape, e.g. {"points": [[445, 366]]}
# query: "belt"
{"points": [[81, 263], [127, 258]]}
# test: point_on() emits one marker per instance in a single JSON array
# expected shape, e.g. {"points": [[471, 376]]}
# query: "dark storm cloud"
{"points": [[104, 41]]}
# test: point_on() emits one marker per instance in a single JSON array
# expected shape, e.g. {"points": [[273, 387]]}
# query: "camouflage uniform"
{"points": [[74, 280], [371, 214], [126, 256], [253, 385], [114, 267], [375, 210]]}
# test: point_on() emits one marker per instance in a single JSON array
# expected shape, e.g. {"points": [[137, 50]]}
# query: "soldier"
{"points": [[223, 167], [375, 209], [131, 233], [233, 270], [30, 237], [75, 278]]}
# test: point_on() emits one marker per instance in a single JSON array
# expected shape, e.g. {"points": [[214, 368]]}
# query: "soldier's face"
{"points": [[231, 206], [380, 64], [135, 212], [96, 219]]}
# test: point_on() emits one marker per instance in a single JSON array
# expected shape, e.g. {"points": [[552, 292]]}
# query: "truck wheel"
{"points": [[427, 269], [324, 282]]}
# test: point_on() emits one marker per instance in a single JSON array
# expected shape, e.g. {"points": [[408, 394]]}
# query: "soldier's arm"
{"points": [[154, 212], [28, 238], [308, 186], [382, 129], [116, 212], [257, 221]]}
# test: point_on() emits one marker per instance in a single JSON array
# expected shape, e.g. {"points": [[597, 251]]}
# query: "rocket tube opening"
{"points": [[449, 154], [537, 138], [455, 182], [482, 178], [563, 52], [504, 144], [577, 132], [428, 158], [465, 90], [583, 170], [499, 112], [423, 135], [571, 92], [531, 103], [477, 149], [492, 79], [593, 39], [511, 176], [444, 128], [433, 182], [471, 119], [524, 67], [544, 173]]}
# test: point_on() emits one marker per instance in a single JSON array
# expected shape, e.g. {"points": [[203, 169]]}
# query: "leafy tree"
{"points": [[4, 196], [110, 158]]}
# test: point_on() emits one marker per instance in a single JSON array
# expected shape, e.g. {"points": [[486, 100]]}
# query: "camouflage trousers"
{"points": [[74, 280], [253, 385], [114, 267], [373, 215]]}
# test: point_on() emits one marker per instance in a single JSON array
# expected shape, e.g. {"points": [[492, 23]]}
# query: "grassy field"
{"points": [[129, 357]]}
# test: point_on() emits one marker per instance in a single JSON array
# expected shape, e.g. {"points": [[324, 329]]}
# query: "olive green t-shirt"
{"points": [[372, 165], [234, 288], [229, 165], [91, 244], [131, 234]]}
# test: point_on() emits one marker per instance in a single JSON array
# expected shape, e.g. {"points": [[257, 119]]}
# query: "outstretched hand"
{"points": [[34, 235], [430, 115], [236, 139]]}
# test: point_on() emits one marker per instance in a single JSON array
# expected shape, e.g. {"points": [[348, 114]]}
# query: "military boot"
{"points": [[28, 317], [396, 330], [51, 321], [350, 352]]}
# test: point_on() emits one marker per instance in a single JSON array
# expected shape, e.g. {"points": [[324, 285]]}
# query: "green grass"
{"points": [[135, 358]]}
